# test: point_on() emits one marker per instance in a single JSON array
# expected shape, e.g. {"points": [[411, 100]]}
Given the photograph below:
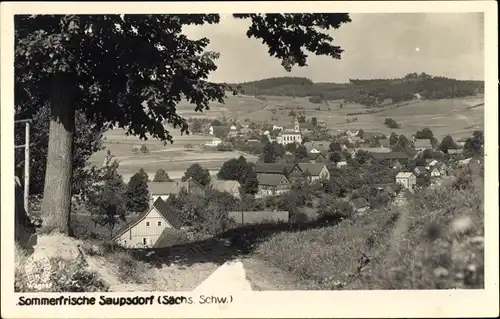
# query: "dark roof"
{"points": [[390, 155], [421, 168], [161, 188], [274, 168], [163, 209], [313, 168], [270, 168], [360, 202], [270, 179], [423, 143]]}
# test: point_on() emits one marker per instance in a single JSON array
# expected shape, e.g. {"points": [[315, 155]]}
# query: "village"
{"points": [[291, 155]]}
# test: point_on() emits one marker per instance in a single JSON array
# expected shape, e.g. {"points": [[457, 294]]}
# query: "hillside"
{"points": [[368, 92]]}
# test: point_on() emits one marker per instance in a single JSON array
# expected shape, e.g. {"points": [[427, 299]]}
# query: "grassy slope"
{"points": [[407, 247]]}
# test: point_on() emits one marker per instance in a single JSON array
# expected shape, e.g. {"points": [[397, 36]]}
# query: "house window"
{"points": [[148, 224], [159, 223], [145, 241]]}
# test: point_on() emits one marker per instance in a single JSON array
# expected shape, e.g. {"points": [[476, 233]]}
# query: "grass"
{"points": [[433, 243]]}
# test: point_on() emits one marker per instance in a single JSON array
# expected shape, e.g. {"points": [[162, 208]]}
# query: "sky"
{"points": [[377, 45]]}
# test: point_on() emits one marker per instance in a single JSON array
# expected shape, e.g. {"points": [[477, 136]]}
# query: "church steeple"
{"points": [[296, 124]]}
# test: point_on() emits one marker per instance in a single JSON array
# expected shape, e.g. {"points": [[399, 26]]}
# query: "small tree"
{"points": [[161, 176], [249, 182], [137, 193], [106, 200], [314, 121], [144, 149], [188, 147], [390, 123], [197, 173], [393, 139], [361, 134]]}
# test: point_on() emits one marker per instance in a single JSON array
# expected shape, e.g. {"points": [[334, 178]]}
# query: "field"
{"points": [[443, 117], [174, 158], [449, 116]]}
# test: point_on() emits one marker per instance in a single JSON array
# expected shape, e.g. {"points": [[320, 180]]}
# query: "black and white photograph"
{"points": [[248, 152]]}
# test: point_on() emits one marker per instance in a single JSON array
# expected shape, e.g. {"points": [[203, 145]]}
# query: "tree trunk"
{"points": [[58, 177]]}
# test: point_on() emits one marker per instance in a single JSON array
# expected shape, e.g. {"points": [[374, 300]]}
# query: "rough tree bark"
{"points": [[56, 203]]}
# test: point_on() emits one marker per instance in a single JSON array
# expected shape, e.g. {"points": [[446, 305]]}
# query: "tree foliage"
{"points": [[137, 193], [106, 200], [131, 71], [233, 169], [198, 173], [161, 176]]}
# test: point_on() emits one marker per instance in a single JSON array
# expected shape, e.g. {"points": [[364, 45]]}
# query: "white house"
{"points": [[435, 172], [317, 171], [407, 179], [276, 127], [145, 230], [211, 130], [214, 143], [233, 128]]}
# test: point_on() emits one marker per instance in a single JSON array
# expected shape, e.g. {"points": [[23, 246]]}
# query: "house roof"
{"points": [[160, 188], [390, 155], [360, 202], [164, 209], [384, 142], [404, 174], [273, 168], [225, 186], [307, 125], [315, 156], [313, 168], [423, 143], [421, 168], [322, 146], [270, 179]]}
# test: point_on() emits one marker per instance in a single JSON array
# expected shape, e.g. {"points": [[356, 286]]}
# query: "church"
{"points": [[290, 135]]}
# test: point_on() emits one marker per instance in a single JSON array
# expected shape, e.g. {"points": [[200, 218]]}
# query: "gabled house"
{"points": [[272, 184], [435, 172], [391, 157], [420, 170], [145, 229], [291, 171], [359, 205], [317, 146], [317, 157], [373, 150], [163, 190], [455, 149], [407, 179], [315, 171], [231, 187]]}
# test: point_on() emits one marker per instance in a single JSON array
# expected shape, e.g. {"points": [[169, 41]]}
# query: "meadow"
{"points": [[175, 158], [443, 117]]}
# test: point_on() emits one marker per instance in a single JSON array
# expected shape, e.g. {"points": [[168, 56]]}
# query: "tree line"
{"points": [[368, 92]]}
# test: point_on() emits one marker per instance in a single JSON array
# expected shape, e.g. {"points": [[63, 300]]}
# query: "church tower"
{"points": [[296, 125]]}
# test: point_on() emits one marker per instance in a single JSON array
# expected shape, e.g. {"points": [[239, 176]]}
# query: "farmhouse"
{"points": [[317, 171], [435, 172], [454, 149], [272, 184], [420, 170], [379, 149], [231, 187], [407, 179], [163, 190], [392, 157], [147, 227], [360, 204], [317, 157], [461, 142], [291, 171]]}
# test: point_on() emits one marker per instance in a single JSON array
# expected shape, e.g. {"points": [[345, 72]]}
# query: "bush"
{"points": [[144, 149], [390, 123]]}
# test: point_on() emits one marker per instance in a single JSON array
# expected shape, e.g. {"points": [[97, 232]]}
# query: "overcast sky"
{"points": [[376, 46]]}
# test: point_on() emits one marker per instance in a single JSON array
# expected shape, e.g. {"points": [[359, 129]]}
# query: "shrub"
{"points": [[144, 149], [390, 123]]}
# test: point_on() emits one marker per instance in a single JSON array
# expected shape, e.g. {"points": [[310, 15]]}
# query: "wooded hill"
{"points": [[369, 92]]}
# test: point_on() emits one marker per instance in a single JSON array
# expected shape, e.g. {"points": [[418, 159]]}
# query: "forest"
{"points": [[368, 92]]}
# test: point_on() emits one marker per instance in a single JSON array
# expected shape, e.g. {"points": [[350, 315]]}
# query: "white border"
{"points": [[459, 303]]}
